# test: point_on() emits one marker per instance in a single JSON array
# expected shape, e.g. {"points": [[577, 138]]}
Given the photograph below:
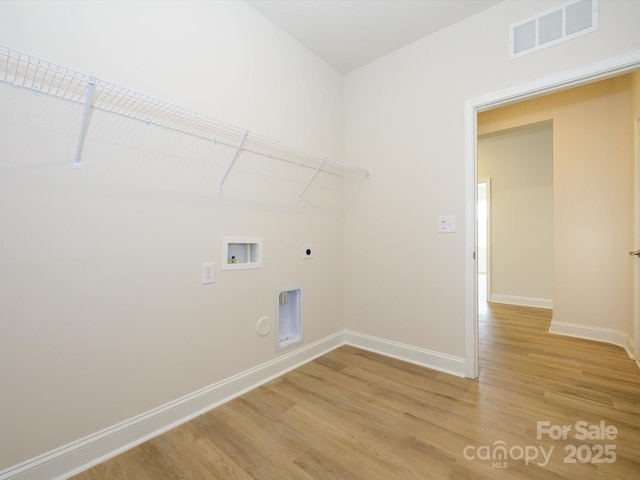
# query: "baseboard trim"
{"points": [[419, 356], [522, 301], [78, 456], [85, 453], [599, 334]]}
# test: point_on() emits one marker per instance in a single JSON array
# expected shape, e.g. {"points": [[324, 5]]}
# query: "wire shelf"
{"points": [[41, 76]]}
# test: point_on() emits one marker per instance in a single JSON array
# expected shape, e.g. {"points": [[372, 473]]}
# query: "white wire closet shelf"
{"points": [[41, 76]]}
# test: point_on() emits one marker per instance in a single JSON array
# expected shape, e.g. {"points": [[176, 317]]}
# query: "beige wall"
{"points": [[635, 92], [102, 314], [519, 162], [404, 119], [593, 198]]}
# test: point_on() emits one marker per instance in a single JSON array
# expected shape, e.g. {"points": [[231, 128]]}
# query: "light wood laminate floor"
{"points": [[353, 414]]}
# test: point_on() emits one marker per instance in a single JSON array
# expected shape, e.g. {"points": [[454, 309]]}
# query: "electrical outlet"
{"points": [[207, 273], [307, 251]]}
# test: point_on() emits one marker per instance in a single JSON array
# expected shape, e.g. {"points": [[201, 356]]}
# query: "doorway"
{"points": [[588, 74], [519, 161]]}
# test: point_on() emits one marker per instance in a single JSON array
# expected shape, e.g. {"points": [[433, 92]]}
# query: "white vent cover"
{"points": [[554, 26]]}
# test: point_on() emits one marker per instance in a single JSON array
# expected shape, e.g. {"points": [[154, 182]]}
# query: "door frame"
{"points": [[591, 73], [487, 184], [636, 243]]}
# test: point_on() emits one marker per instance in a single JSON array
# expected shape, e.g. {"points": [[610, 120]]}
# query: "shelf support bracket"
{"points": [[233, 159], [313, 175], [77, 161]]}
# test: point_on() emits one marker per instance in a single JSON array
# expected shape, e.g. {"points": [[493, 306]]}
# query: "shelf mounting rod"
{"points": [[77, 161], [313, 175], [233, 159]]}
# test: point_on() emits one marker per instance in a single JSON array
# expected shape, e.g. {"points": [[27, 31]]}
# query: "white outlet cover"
{"points": [[208, 273], [307, 251]]}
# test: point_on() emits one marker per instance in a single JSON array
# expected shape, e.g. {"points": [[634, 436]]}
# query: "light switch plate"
{"points": [[447, 224]]}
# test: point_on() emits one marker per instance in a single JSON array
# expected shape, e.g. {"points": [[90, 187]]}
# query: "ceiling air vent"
{"points": [[554, 26]]}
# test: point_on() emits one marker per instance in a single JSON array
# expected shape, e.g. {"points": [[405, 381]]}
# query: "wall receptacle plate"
{"points": [[208, 273], [307, 251]]}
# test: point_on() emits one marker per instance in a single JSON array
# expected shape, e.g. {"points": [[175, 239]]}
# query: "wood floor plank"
{"points": [[195, 456], [353, 414]]}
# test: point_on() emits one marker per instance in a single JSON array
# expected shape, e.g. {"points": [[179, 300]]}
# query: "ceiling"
{"points": [[351, 33]]}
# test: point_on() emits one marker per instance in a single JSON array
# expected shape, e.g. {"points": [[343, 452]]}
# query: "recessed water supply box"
{"points": [[288, 318], [240, 253]]}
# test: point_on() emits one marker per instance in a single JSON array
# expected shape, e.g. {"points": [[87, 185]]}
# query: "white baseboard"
{"points": [[78, 456], [522, 301], [85, 453], [599, 334], [420, 356]]}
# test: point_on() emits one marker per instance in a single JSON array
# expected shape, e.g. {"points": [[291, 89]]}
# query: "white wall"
{"points": [[102, 313], [519, 163], [404, 119]]}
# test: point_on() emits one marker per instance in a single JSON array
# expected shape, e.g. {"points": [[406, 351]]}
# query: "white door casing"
{"points": [[636, 245]]}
